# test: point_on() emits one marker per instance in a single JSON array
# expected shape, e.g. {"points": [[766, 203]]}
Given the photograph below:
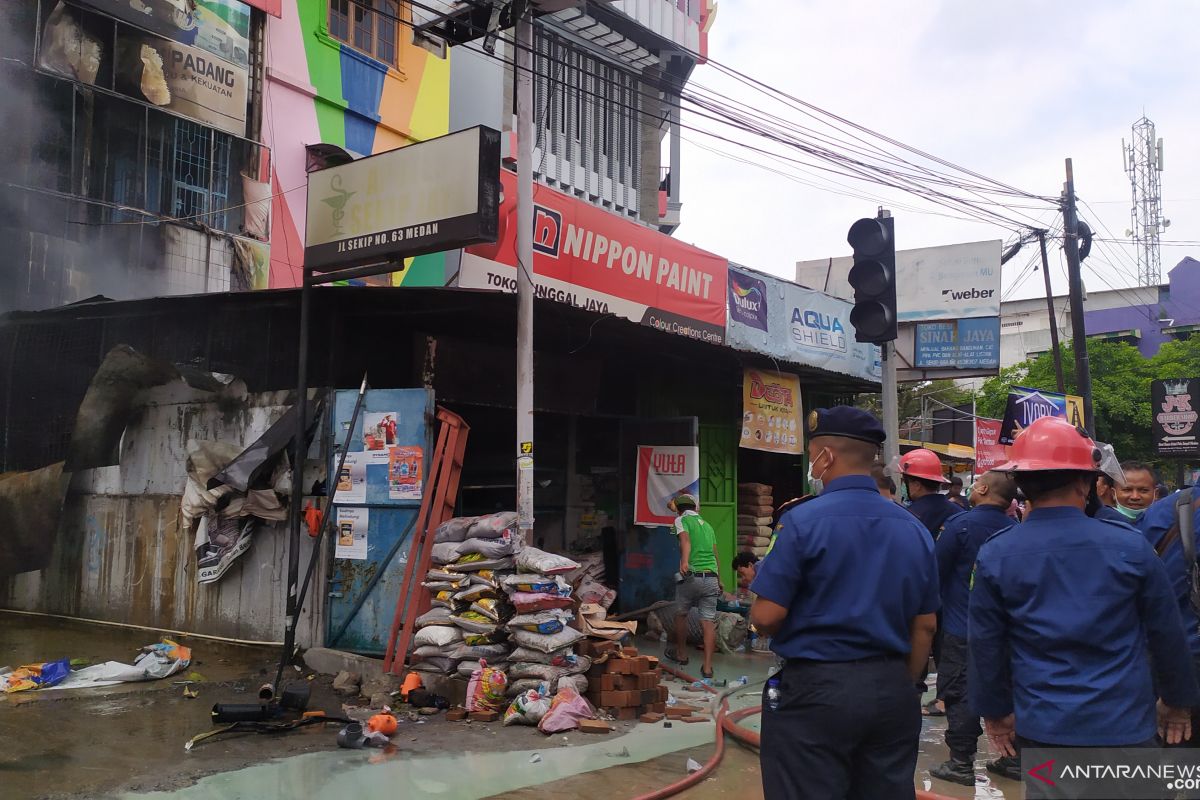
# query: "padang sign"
{"points": [[801, 326], [1172, 405], [184, 79], [435, 195], [592, 259]]}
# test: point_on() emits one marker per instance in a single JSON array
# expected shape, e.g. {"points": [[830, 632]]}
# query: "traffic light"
{"points": [[873, 277]]}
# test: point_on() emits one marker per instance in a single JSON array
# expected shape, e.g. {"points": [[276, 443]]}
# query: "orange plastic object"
{"points": [[411, 681], [312, 518], [383, 723]]}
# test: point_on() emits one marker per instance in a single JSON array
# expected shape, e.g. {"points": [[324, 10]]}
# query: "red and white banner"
{"points": [[989, 453], [663, 473], [592, 259]]}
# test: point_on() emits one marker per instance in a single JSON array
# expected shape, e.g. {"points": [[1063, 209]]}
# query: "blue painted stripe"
{"points": [[362, 87]]}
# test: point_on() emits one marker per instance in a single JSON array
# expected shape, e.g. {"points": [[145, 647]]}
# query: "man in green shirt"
{"points": [[700, 586]]}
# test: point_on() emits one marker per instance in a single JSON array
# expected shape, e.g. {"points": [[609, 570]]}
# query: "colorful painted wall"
{"points": [[320, 90]]}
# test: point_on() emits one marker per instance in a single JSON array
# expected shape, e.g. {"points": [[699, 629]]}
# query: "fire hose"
{"points": [[727, 723]]}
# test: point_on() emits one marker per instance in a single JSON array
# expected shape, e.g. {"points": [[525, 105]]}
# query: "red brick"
{"points": [[640, 664], [629, 652], [651, 716], [647, 696], [653, 662], [485, 716], [663, 693], [456, 714], [621, 666], [647, 680], [611, 698], [697, 718], [594, 726], [606, 683], [658, 708], [674, 712], [628, 713]]}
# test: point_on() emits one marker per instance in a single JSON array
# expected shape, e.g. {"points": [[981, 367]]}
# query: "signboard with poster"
{"points": [[1026, 405], [1172, 404], [422, 198], [663, 473], [771, 412], [780, 319], [989, 453], [219, 27], [592, 259], [960, 344], [183, 79]]}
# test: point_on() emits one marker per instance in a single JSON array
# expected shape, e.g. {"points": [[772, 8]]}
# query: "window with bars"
{"points": [[201, 174], [369, 26]]}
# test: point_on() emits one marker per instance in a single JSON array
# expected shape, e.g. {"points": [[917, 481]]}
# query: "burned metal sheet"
{"points": [[112, 400], [31, 504], [243, 471]]}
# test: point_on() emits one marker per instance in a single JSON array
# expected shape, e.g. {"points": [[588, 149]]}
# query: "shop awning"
{"points": [[958, 452]]}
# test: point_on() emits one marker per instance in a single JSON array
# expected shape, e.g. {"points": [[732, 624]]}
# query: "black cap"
{"points": [[846, 421]]}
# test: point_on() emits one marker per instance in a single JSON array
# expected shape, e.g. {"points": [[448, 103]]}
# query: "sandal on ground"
{"points": [[672, 654], [931, 709], [706, 675]]}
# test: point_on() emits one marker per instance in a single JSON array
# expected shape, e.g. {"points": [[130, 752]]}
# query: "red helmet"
{"points": [[922, 463], [1052, 443]]}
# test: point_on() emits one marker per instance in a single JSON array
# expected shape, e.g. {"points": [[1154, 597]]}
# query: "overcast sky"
{"points": [[1006, 89]]}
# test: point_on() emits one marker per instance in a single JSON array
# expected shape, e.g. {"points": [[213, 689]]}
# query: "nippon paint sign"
{"points": [[955, 281], [434, 195], [592, 259]]}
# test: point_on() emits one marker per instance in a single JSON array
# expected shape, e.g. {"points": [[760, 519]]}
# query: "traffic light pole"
{"points": [[891, 404], [1083, 370]]}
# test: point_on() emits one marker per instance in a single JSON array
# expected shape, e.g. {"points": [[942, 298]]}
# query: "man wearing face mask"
{"points": [[1073, 623], [848, 594], [1136, 494]]}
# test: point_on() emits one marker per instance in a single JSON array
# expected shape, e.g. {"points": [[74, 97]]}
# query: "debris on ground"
{"points": [[155, 662], [347, 683]]}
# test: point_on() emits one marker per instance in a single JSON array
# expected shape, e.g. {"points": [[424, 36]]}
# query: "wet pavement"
{"points": [[127, 741]]}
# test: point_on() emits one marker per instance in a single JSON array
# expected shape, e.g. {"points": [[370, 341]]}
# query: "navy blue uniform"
{"points": [[933, 510], [956, 549], [853, 569], [1067, 612]]}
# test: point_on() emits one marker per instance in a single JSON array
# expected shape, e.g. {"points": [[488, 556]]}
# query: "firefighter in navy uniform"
{"points": [[1073, 622], [921, 471], [849, 594]]}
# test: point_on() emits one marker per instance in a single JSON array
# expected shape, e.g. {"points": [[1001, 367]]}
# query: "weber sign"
{"points": [[434, 195], [1172, 404]]}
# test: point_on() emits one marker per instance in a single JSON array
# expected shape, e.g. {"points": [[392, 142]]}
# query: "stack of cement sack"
{"points": [[589, 581], [500, 603], [471, 557], [756, 509], [544, 642]]}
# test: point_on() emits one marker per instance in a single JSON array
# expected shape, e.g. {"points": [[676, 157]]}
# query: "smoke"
{"points": [[55, 246]]}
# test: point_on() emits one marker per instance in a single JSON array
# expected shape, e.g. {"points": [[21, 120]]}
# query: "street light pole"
{"points": [[523, 43]]}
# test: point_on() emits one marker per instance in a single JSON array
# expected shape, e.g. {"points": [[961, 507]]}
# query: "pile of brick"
{"points": [[623, 683]]}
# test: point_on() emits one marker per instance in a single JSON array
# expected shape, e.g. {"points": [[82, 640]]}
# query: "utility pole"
{"points": [[1083, 372], [523, 59], [1058, 372]]}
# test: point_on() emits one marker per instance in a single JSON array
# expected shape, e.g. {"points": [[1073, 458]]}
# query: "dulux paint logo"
{"points": [[747, 300]]}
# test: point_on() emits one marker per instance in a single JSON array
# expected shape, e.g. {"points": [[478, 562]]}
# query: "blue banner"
{"points": [[802, 326], [960, 344]]}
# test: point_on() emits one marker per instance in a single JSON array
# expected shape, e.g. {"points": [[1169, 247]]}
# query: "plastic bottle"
{"points": [[773, 693]]}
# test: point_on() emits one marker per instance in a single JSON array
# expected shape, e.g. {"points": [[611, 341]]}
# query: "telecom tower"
{"points": [[1144, 163]]}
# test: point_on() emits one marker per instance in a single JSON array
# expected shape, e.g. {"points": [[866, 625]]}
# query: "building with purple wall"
{"points": [[1176, 315]]}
